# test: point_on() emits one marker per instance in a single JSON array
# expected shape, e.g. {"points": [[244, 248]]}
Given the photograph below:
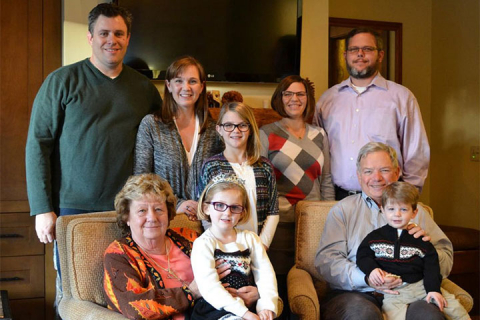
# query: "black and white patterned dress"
{"points": [[249, 265]]}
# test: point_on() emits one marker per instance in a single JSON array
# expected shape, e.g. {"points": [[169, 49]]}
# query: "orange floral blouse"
{"points": [[134, 288]]}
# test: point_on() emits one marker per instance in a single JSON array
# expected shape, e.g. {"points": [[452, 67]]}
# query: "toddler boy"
{"points": [[390, 251]]}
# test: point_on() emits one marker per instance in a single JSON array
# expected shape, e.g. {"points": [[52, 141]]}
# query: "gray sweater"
{"points": [[159, 149]]}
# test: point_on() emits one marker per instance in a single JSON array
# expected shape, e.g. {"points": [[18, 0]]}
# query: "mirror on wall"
{"points": [[391, 33]]}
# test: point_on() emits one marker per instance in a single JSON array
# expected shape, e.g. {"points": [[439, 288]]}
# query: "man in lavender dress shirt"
{"points": [[366, 107]]}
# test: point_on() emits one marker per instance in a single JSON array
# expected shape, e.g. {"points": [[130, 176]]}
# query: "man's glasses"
{"points": [[290, 94], [229, 127], [364, 49], [220, 206]]}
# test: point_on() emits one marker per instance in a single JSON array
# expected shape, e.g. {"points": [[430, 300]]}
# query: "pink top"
{"points": [[180, 264]]}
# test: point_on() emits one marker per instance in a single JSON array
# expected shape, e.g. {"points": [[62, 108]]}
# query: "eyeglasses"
{"points": [[364, 49], [229, 127], [222, 207], [290, 94]]}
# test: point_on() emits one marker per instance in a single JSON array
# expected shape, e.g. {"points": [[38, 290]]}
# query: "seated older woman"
{"points": [[148, 274]]}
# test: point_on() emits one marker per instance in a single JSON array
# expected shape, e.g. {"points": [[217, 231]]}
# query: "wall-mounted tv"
{"points": [[235, 40]]}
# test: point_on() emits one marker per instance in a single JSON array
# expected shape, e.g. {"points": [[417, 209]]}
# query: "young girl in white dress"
{"points": [[225, 203]]}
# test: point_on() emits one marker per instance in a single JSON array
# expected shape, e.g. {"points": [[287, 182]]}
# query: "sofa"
{"points": [[306, 287]]}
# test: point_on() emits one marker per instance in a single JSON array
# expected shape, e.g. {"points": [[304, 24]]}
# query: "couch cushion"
{"points": [[310, 220], [87, 239]]}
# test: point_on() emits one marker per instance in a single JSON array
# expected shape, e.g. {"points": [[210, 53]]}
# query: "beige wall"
{"points": [[75, 27], [455, 180], [314, 55]]}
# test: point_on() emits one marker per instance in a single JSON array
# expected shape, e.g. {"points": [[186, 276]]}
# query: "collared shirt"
{"points": [[347, 224], [386, 112]]}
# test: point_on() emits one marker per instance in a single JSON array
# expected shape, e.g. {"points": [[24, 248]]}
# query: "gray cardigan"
{"points": [[159, 149]]}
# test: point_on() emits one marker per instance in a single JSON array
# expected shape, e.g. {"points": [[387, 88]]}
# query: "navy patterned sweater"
{"points": [[412, 259]]}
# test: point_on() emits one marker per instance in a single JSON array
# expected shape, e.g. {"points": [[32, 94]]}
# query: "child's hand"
{"points": [[265, 315], [389, 283], [250, 316], [376, 277], [437, 298]]}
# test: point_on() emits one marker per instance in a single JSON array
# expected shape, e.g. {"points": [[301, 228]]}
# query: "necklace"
{"points": [[297, 133], [171, 274]]}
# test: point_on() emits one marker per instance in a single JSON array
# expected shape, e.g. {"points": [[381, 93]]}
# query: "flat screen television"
{"points": [[235, 40]]}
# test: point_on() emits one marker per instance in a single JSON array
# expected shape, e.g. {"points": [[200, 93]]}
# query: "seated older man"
{"points": [[352, 297]]}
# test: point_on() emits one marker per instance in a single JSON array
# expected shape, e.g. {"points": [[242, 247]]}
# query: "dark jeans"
{"points": [[422, 310], [351, 305]]}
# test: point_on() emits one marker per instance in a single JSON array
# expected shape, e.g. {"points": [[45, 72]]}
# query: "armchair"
{"points": [[306, 287], [82, 240]]}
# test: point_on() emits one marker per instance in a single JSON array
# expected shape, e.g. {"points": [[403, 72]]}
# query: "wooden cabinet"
{"points": [[23, 277], [31, 309], [22, 265], [18, 236], [30, 35]]}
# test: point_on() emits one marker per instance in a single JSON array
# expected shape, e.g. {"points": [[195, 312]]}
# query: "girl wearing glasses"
{"points": [[175, 140], [299, 153], [225, 203], [238, 129]]}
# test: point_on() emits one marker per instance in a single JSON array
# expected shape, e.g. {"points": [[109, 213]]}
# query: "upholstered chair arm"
{"points": [[465, 299], [302, 296], [74, 309]]}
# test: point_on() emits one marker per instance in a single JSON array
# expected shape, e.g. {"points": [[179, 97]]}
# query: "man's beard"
{"points": [[365, 73]]}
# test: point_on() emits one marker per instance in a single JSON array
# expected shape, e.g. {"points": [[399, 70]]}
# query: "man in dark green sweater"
{"points": [[83, 126]]}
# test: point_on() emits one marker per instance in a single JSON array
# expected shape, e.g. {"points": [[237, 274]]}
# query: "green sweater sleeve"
{"points": [[45, 123]]}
